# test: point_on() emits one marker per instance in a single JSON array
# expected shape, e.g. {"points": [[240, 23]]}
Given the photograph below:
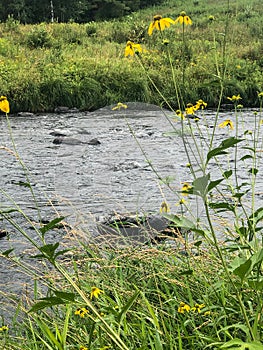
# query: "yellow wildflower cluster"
{"points": [[190, 109], [4, 329], [4, 104], [183, 307], [158, 23], [82, 312]]}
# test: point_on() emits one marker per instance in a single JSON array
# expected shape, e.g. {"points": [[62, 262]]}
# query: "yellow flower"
{"points": [[83, 348], [211, 18], [160, 23], [183, 19], [82, 311], [131, 48], [234, 98], [119, 106], [186, 187], [183, 307], [260, 94], [200, 104], [4, 104], [225, 123], [190, 109], [198, 307], [95, 292], [4, 329], [181, 202], [164, 208], [179, 113]]}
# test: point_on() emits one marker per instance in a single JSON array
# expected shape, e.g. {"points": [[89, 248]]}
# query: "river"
{"points": [[97, 169]]}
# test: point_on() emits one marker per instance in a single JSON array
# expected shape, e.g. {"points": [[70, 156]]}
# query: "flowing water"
{"points": [[98, 168]]}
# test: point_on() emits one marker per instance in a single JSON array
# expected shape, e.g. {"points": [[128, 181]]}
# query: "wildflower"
{"points": [[185, 189], [82, 311], [181, 202], [200, 104], [260, 94], [198, 308], [234, 98], [207, 313], [240, 106], [238, 66], [4, 104], [188, 165], [4, 329], [132, 48], [119, 106], [165, 42], [183, 19], [95, 292], [179, 113], [190, 109], [83, 348], [183, 307], [227, 122], [164, 208], [160, 23], [211, 18]]}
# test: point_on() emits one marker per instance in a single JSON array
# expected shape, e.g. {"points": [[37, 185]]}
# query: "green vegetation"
{"points": [[203, 287], [83, 65]]}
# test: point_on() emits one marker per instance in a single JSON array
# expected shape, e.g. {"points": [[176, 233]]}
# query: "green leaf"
{"points": [[213, 184], [242, 270], [200, 185], [247, 156], [51, 225], [230, 142], [7, 252], [222, 205], [47, 302], [186, 272], [253, 171], [65, 295], [227, 174], [127, 306], [238, 344]]}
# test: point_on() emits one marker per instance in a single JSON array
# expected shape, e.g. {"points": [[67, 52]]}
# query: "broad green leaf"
{"points": [[242, 270], [200, 185], [51, 225], [47, 302], [230, 142], [65, 295], [227, 174], [213, 184]]}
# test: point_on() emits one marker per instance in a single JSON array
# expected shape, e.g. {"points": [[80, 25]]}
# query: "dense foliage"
{"points": [[34, 11]]}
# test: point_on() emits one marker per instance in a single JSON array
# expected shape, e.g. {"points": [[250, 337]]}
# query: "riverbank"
{"points": [[67, 64]]}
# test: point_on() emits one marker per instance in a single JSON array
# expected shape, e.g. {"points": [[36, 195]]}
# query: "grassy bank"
{"points": [[49, 65]]}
